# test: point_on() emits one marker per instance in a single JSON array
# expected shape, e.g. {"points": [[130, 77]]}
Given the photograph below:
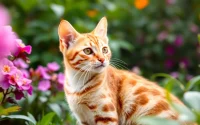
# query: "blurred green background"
{"points": [[161, 37], [157, 36]]}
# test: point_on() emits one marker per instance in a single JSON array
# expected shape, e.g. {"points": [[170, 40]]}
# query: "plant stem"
{"points": [[4, 96]]}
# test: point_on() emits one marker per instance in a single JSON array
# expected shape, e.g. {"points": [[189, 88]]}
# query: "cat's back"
{"points": [[138, 97]]}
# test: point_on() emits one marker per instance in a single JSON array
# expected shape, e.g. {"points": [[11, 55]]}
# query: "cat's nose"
{"points": [[101, 60]]}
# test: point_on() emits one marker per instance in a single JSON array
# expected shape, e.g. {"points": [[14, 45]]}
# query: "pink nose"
{"points": [[101, 60]]}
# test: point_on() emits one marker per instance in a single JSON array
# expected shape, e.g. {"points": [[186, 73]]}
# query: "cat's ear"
{"points": [[67, 34], [101, 28]]}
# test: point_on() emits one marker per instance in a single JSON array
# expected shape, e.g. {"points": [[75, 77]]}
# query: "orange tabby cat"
{"points": [[99, 94]]}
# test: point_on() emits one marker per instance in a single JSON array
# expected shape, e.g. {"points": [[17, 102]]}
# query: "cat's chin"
{"points": [[98, 69]]}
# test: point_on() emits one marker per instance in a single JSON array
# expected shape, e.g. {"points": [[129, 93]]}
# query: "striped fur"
{"points": [[99, 94]]}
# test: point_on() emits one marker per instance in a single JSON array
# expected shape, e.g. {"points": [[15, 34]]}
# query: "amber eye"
{"points": [[105, 50], [88, 51]]}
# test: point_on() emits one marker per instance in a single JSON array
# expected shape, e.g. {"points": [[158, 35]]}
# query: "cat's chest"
{"points": [[84, 106], [77, 100], [81, 99]]}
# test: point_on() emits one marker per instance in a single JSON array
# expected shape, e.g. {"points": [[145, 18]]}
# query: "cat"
{"points": [[99, 94]]}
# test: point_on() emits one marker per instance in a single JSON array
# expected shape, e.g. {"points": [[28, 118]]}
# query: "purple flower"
{"points": [[44, 85], [7, 44], [184, 63], [169, 50], [174, 74], [18, 94], [20, 63], [169, 63], [30, 90], [4, 15], [22, 48], [6, 67], [178, 41], [61, 78], [53, 66], [60, 87], [42, 71]]}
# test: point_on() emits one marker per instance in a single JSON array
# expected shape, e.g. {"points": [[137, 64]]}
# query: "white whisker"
{"points": [[119, 65]]}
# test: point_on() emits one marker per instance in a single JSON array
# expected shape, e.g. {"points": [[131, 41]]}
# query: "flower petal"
{"points": [[44, 85]]}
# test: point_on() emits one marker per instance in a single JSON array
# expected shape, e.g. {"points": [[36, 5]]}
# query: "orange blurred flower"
{"points": [[141, 4], [92, 13]]}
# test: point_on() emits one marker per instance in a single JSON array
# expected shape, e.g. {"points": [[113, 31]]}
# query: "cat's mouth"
{"points": [[100, 66]]}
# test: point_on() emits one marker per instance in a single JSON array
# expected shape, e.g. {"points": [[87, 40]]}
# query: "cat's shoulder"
{"points": [[125, 76]]}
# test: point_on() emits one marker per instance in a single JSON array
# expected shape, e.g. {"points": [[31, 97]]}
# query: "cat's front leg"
{"points": [[103, 118], [82, 123]]}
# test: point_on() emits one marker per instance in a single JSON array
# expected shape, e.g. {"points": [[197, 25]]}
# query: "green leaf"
{"points": [[27, 5], [1, 96], [169, 77], [192, 82], [31, 117], [6, 111], [193, 99], [19, 117], [156, 121], [199, 37], [184, 113], [56, 108], [46, 120], [57, 9]]}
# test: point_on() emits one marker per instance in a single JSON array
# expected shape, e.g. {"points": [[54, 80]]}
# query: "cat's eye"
{"points": [[88, 51], [105, 50]]}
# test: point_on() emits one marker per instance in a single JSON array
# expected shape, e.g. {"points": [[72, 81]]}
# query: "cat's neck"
{"points": [[78, 80]]}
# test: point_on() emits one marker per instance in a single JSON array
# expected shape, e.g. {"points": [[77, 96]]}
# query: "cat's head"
{"points": [[88, 51]]}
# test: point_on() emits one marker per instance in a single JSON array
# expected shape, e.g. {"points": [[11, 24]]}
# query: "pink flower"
{"points": [[4, 84], [44, 85], [61, 81], [18, 94], [42, 71], [20, 63], [30, 90], [61, 78], [24, 84], [184, 63], [136, 70], [53, 66], [194, 28], [174, 74], [189, 77], [25, 73], [7, 44], [162, 35], [22, 48], [4, 16], [178, 41], [7, 67], [170, 2], [15, 77]]}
